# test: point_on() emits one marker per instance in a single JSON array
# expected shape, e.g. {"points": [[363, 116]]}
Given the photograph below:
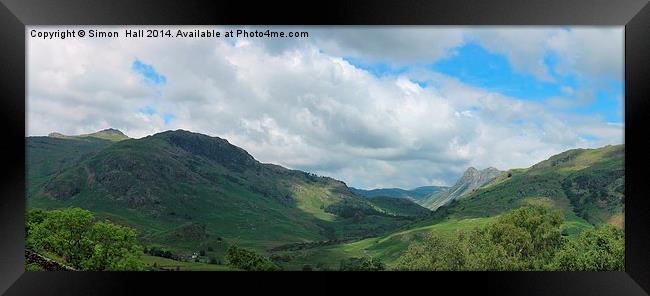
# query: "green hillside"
{"points": [[48, 156], [186, 191], [586, 182]]}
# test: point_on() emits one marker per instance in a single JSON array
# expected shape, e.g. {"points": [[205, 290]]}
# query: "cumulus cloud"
{"points": [[302, 105]]}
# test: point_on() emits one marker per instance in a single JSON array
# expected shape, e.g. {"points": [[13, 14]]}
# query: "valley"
{"points": [[194, 196]]}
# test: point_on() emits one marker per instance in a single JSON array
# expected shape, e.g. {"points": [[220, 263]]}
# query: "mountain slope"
{"points": [[48, 156], [186, 190], [587, 183], [471, 180], [417, 194]]}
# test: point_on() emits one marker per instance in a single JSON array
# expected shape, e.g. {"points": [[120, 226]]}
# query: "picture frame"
{"points": [[634, 15]]}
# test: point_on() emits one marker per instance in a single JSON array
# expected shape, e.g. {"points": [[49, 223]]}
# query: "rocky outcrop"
{"points": [[471, 180]]}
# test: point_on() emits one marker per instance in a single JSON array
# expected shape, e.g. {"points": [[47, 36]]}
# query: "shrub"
{"points": [[249, 260]]}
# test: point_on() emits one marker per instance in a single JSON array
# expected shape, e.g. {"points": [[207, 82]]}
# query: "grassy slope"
{"points": [[596, 196], [388, 247], [47, 156]]}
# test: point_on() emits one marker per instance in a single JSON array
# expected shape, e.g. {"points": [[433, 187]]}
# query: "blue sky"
{"points": [[152, 78], [148, 73]]}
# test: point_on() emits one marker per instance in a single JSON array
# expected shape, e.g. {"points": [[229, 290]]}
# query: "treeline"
{"points": [[527, 238], [74, 237]]}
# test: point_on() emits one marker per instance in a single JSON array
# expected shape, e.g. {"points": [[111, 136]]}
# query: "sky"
{"points": [[371, 106]]}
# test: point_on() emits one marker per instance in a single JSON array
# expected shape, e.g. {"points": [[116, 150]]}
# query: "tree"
{"points": [[115, 248], [249, 260], [73, 235], [64, 232], [433, 253], [600, 249]]}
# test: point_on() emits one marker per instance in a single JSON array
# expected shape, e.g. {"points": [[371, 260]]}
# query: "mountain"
{"points": [[185, 191], [107, 134], [587, 184], [471, 180], [417, 194]]}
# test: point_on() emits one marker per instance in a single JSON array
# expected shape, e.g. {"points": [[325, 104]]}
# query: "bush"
{"points": [[249, 260]]}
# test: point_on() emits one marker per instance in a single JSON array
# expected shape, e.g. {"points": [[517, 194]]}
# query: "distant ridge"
{"points": [[110, 134], [417, 194]]}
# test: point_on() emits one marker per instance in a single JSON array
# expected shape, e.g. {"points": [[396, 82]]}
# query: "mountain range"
{"points": [[185, 191], [417, 194], [176, 183]]}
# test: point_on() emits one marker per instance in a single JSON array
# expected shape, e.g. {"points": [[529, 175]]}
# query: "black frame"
{"points": [[633, 14]]}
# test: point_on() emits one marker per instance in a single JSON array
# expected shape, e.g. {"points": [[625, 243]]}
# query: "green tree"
{"points": [[432, 253], [600, 249], [64, 232], [114, 248], [73, 235], [249, 260]]}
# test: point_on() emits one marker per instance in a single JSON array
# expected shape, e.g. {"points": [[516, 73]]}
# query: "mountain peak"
{"points": [[469, 181], [110, 134], [110, 130], [56, 135], [214, 148]]}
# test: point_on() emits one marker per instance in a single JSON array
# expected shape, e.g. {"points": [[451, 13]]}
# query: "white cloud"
{"points": [[592, 53], [303, 106]]}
